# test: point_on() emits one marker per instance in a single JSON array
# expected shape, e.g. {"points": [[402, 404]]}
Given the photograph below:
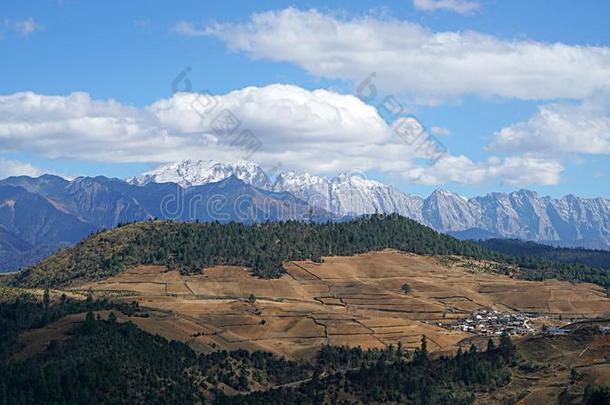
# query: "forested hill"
{"points": [[189, 247], [516, 247]]}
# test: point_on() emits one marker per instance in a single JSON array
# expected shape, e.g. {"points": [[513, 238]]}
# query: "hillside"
{"points": [[108, 361], [37, 220], [190, 247], [347, 300], [324, 332]]}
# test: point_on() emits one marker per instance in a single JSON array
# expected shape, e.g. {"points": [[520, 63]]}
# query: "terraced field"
{"points": [[356, 301]]}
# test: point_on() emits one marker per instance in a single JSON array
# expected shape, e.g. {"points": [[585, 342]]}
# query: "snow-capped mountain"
{"points": [[349, 195], [189, 173], [447, 211], [341, 195], [523, 214]]}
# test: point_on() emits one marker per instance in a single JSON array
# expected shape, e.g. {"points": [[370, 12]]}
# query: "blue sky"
{"points": [[130, 52]]}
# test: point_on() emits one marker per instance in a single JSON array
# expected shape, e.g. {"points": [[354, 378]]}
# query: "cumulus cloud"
{"points": [[560, 128], [319, 131], [458, 6], [412, 60], [15, 168]]}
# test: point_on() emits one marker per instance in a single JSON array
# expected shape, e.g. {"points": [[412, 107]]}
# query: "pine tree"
{"points": [[491, 346], [507, 348], [89, 322], [421, 354], [46, 299]]}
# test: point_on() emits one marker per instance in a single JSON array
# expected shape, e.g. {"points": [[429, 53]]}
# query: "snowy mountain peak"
{"points": [[447, 210], [358, 180], [348, 194], [440, 193], [300, 178], [189, 173]]}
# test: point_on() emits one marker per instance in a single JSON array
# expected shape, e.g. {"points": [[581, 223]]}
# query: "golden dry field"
{"points": [[355, 301]]}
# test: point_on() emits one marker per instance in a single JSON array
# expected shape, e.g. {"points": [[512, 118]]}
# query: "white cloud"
{"points": [[21, 27], [27, 26], [412, 60], [459, 6], [512, 171], [188, 29], [15, 168], [560, 128], [440, 131], [318, 131]]}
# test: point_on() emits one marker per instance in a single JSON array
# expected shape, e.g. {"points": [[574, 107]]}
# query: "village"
{"points": [[492, 322]]}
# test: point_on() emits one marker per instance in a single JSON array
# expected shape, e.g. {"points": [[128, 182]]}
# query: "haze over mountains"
{"points": [[40, 215]]}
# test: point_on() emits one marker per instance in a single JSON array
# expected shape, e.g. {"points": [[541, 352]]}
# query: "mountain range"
{"points": [[40, 215], [568, 221]]}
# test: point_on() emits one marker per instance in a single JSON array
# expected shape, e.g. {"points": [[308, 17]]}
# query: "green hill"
{"points": [[190, 247]]}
